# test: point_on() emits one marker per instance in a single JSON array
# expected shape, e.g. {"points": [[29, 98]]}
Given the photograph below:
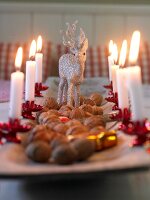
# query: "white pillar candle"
{"points": [[39, 61], [16, 88], [16, 94], [123, 99], [134, 85], [114, 69], [110, 63], [30, 81], [30, 74]]}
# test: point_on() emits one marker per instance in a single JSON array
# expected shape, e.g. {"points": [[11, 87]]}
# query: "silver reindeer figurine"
{"points": [[71, 66]]}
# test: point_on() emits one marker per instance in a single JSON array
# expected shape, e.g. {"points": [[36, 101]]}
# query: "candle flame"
{"points": [[134, 47], [39, 43], [110, 46], [123, 53], [18, 60], [32, 50], [115, 52]]}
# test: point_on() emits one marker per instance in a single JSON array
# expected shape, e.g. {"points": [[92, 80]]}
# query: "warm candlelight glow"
{"points": [[32, 50], [115, 52], [18, 60], [123, 53], [134, 47], [39, 44], [110, 46]]}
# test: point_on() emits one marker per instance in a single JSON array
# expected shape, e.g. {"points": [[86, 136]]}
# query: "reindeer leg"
{"points": [[65, 92], [70, 93], [60, 91], [77, 95]]}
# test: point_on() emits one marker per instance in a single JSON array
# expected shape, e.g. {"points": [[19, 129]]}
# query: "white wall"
{"points": [[20, 22]]}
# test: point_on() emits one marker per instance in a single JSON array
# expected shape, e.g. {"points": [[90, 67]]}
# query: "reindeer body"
{"points": [[71, 69]]}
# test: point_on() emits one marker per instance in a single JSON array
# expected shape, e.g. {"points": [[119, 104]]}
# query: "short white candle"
{"points": [[114, 69], [16, 88], [30, 74], [134, 84], [39, 61], [123, 99]]}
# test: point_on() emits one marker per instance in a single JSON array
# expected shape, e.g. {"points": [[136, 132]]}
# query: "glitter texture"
{"points": [[71, 66]]}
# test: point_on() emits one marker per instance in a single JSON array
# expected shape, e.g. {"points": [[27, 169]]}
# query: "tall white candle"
{"points": [[30, 74], [16, 88], [123, 99], [134, 84], [39, 61], [110, 63], [114, 69], [110, 59]]}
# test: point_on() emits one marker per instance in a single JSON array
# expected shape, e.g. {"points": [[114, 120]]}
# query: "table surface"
{"points": [[133, 184]]}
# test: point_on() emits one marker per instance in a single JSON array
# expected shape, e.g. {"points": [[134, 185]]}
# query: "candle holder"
{"points": [[28, 107], [140, 129], [38, 88], [122, 115], [109, 86], [8, 130]]}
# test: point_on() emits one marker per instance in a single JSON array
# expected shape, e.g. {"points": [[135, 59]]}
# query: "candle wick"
{"points": [[17, 69], [39, 51], [32, 58]]}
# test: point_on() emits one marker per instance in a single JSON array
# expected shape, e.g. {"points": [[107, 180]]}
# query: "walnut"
{"points": [[97, 98], [39, 136], [87, 114], [64, 154], [89, 102], [57, 141], [52, 124], [38, 151], [76, 129], [82, 98], [65, 108], [51, 103], [85, 148], [31, 123], [87, 108], [96, 110], [53, 112], [77, 113], [45, 109], [38, 128], [46, 118], [42, 115], [66, 113], [60, 128], [73, 122], [93, 121]]}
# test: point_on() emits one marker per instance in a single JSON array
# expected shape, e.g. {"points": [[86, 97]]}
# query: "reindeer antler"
{"points": [[69, 35]]}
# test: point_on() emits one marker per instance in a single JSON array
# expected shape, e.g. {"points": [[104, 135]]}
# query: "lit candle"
{"points": [[39, 61], [110, 59], [123, 101], [16, 88], [134, 81], [114, 67], [30, 74]]}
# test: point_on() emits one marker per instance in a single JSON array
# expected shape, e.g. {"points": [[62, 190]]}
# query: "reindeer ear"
{"points": [[85, 44]]}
